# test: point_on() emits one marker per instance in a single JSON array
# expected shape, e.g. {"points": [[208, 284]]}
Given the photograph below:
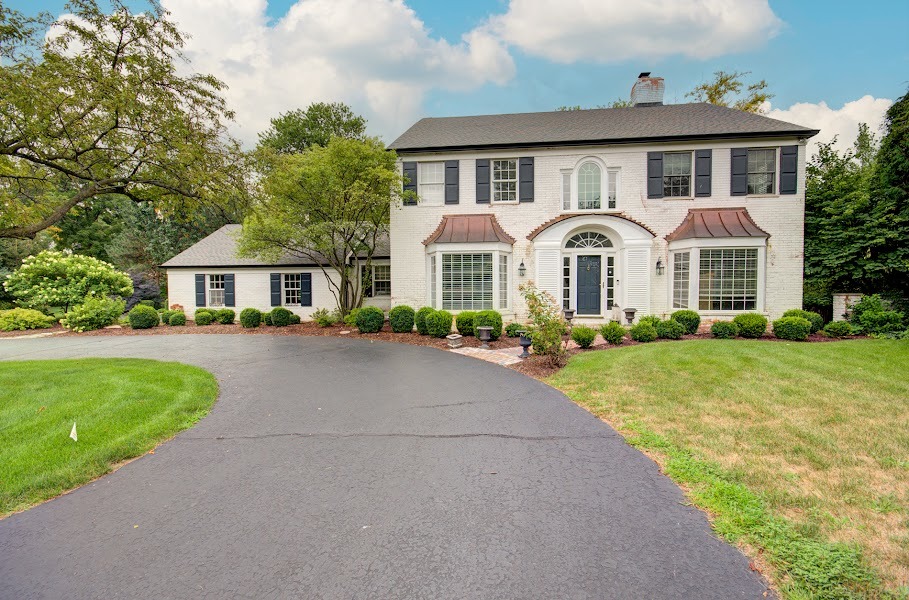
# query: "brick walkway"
{"points": [[505, 356]]}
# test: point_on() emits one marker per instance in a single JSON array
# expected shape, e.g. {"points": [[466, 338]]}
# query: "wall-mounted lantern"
{"points": [[660, 268], [522, 270]]}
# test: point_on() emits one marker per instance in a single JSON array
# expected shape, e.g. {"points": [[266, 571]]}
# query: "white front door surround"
{"points": [[630, 251]]}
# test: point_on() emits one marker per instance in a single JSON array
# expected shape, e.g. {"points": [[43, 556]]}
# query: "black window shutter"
{"points": [[410, 183], [200, 290], [482, 181], [305, 289], [789, 162], [702, 168], [229, 296], [739, 174], [654, 174], [451, 182], [525, 179], [276, 289]]}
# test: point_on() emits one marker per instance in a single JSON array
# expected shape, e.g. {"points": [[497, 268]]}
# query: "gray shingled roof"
{"points": [[220, 250], [605, 125]]}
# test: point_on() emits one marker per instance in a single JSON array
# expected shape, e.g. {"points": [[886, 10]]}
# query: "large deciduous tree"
{"points": [[729, 89], [329, 205], [299, 130], [99, 106]]}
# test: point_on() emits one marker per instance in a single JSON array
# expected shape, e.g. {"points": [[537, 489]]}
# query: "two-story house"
{"points": [[653, 207]]}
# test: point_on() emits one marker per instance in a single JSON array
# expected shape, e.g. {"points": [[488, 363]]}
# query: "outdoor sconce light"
{"points": [[660, 268], [522, 270]]}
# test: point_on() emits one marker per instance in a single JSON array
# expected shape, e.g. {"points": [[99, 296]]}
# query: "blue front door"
{"points": [[588, 278]]}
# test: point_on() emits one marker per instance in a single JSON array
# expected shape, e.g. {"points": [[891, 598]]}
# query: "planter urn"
{"points": [[629, 314], [526, 343], [484, 333]]}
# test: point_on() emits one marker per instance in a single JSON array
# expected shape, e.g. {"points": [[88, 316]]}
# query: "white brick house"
{"points": [[650, 207]]}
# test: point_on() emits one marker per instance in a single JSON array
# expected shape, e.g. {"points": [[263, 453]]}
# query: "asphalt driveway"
{"points": [[335, 468]]}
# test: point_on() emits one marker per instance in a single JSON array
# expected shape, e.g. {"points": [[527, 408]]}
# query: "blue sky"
{"points": [[819, 55]]}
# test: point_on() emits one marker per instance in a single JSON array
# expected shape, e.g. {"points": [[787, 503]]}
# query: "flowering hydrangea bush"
{"points": [[52, 278]]}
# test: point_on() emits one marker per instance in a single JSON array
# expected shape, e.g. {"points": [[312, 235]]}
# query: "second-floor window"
{"points": [[505, 180], [761, 170], [677, 174], [431, 178], [590, 180], [589, 187]]}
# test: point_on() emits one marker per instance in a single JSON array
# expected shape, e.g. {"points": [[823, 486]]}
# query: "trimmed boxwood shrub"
{"points": [[225, 316], [838, 329], [613, 333], [816, 320], [725, 330], [584, 336], [204, 317], [250, 318], [199, 311], [95, 313], [643, 332], [489, 318], [689, 319], [370, 319], [670, 329], [351, 319], [651, 320], [401, 319], [464, 322], [176, 318], [792, 328], [143, 317], [420, 319], [165, 315], [512, 329], [266, 318], [280, 316], [751, 325], [294, 319], [438, 323]]}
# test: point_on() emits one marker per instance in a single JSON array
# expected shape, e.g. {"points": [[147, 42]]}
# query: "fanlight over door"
{"points": [[588, 239]]}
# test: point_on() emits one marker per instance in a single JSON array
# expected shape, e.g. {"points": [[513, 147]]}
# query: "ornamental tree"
{"points": [[53, 278]]}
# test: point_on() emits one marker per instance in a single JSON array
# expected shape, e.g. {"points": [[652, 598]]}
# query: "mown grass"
{"points": [[122, 408], [799, 452]]}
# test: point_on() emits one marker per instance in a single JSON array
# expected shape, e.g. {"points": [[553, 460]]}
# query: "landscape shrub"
{"points": [[583, 335], [816, 320], [143, 317], [150, 303], [690, 319], [651, 320], [20, 319], [838, 329], [512, 329], [266, 318], [225, 316], [165, 315], [351, 319], [751, 325], [250, 318], [670, 329], [489, 318], [420, 319], [280, 316], [643, 332], [370, 319], [873, 303], [438, 323], [325, 318], [294, 319], [177, 318], [547, 325], [613, 333], [725, 330], [885, 321], [204, 318], [94, 313], [401, 318], [792, 328], [199, 311], [464, 322]]}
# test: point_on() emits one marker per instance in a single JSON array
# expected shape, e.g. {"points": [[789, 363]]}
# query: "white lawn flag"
{"points": [[72, 433]]}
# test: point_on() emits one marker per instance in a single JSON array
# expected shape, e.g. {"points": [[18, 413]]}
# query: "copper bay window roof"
{"points": [[717, 223], [463, 229]]}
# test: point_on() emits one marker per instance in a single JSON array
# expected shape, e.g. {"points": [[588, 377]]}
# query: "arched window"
{"points": [[588, 239], [589, 182]]}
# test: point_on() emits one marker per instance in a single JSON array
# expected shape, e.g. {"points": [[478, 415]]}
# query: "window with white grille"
{"points": [[216, 290], [292, 289], [431, 178], [728, 279], [761, 170], [505, 180], [681, 262]]}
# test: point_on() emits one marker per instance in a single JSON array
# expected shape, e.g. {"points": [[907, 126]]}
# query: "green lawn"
{"points": [[799, 452], [122, 408]]}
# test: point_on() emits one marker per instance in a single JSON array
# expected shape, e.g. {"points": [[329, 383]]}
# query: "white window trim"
{"points": [[776, 172], [517, 181], [606, 173], [372, 278], [694, 246], [497, 250], [691, 182], [284, 289], [210, 289]]}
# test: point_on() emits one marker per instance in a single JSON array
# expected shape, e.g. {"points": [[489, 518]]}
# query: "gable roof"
{"points": [[671, 122], [717, 223], [220, 250], [468, 228]]}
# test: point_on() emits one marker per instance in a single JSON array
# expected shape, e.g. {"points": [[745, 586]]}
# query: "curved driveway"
{"points": [[335, 468]]}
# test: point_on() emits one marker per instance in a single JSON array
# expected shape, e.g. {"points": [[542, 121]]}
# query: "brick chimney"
{"points": [[647, 90]]}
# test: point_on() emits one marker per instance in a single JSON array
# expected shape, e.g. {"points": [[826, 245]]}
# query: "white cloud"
{"points": [[608, 31], [377, 56], [841, 123]]}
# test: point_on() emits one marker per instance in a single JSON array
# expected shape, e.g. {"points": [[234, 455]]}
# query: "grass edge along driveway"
{"points": [[122, 408], [798, 452]]}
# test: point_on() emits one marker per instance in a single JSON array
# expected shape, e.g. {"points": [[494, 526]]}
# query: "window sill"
{"points": [[504, 202], [759, 196]]}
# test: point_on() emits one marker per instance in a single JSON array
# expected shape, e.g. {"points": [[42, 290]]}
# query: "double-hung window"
{"points": [[728, 279], [431, 178], [677, 174], [216, 290], [761, 170], [681, 267], [505, 180], [292, 289], [377, 281]]}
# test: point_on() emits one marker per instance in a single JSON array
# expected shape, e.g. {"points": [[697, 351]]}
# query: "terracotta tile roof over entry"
{"points": [[717, 223], [461, 229]]}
